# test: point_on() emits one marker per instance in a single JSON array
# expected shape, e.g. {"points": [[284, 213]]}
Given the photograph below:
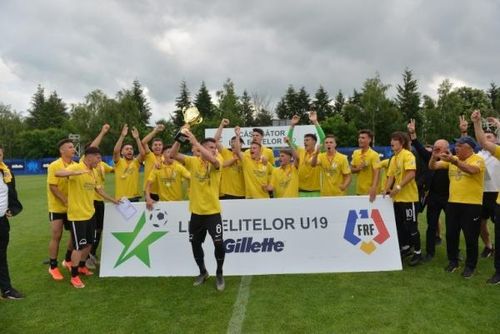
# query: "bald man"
{"points": [[437, 184]]}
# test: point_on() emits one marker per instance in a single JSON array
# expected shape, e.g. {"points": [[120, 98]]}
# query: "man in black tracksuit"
{"points": [[437, 185]]}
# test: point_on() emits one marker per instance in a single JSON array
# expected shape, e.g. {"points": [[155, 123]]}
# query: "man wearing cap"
{"points": [[463, 212], [494, 149]]}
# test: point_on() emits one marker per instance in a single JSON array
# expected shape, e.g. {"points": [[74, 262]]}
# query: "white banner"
{"points": [[268, 236], [273, 135]]}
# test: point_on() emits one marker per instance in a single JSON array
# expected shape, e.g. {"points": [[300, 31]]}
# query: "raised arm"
{"points": [[218, 133], [294, 152], [205, 154], [142, 152], [97, 141], [293, 122], [480, 136], [462, 125], [237, 143], [314, 159], [422, 152], [119, 143], [145, 141], [313, 117], [174, 152]]}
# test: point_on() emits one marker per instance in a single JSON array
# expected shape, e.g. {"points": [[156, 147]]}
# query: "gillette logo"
{"points": [[247, 245]]}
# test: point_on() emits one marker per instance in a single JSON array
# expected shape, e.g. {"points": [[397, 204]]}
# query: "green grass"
{"points": [[416, 300]]}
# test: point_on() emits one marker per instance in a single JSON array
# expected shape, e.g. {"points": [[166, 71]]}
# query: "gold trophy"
{"points": [[191, 117]]}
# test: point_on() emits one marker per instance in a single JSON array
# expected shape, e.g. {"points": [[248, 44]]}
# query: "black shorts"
{"points": [[231, 197], [135, 199], [99, 215], [200, 224], [155, 197], [83, 233], [489, 203], [406, 212], [58, 216]]}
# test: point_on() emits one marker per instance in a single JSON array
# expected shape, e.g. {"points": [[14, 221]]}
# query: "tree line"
{"points": [[50, 119]]}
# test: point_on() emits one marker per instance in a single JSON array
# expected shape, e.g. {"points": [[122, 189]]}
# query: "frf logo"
{"points": [[361, 229]]}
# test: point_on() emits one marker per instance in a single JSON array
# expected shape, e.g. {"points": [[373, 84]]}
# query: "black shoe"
{"points": [[405, 252], [428, 258], [468, 272], [487, 252], [219, 282], [200, 279], [451, 267], [415, 259], [495, 279], [439, 241], [12, 294]]}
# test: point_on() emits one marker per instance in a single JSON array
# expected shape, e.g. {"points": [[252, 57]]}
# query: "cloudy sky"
{"points": [[263, 46]]}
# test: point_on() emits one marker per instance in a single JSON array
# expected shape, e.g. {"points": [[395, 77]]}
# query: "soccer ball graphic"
{"points": [[158, 217]]}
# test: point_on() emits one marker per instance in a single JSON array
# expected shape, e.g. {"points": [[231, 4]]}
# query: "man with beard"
{"points": [[127, 166]]}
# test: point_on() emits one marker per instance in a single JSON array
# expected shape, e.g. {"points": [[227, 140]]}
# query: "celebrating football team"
{"points": [[461, 180]]}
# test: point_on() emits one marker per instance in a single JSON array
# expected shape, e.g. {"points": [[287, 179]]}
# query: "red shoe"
{"points": [[67, 265], [77, 282], [85, 271], [56, 274]]}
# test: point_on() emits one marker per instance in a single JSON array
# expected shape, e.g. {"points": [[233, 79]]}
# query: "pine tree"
{"points": [[46, 113], [303, 105], [339, 103], [203, 102], [408, 98], [247, 110], [142, 102], [286, 107], [321, 104], [181, 102], [229, 103]]}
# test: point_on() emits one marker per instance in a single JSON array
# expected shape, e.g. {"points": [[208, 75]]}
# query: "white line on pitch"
{"points": [[240, 306]]}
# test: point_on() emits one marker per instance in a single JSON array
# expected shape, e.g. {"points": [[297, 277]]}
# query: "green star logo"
{"points": [[142, 249]]}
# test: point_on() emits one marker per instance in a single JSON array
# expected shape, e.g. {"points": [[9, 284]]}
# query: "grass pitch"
{"points": [[422, 299]]}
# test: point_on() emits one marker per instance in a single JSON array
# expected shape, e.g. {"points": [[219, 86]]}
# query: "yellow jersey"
{"points": [[81, 189], [266, 152], [54, 204], [127, 178], [285, 181], [150, 161], [204, 188], [168, 180], [309, 176], [466, 188], [256, 175], [365, 176], [232, 182], [400, 164], [333, 169]]}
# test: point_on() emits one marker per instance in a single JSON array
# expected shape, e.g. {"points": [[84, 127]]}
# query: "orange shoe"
{"points": [[77, 282], [56, 274], [85, 271], [67, 264]]}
